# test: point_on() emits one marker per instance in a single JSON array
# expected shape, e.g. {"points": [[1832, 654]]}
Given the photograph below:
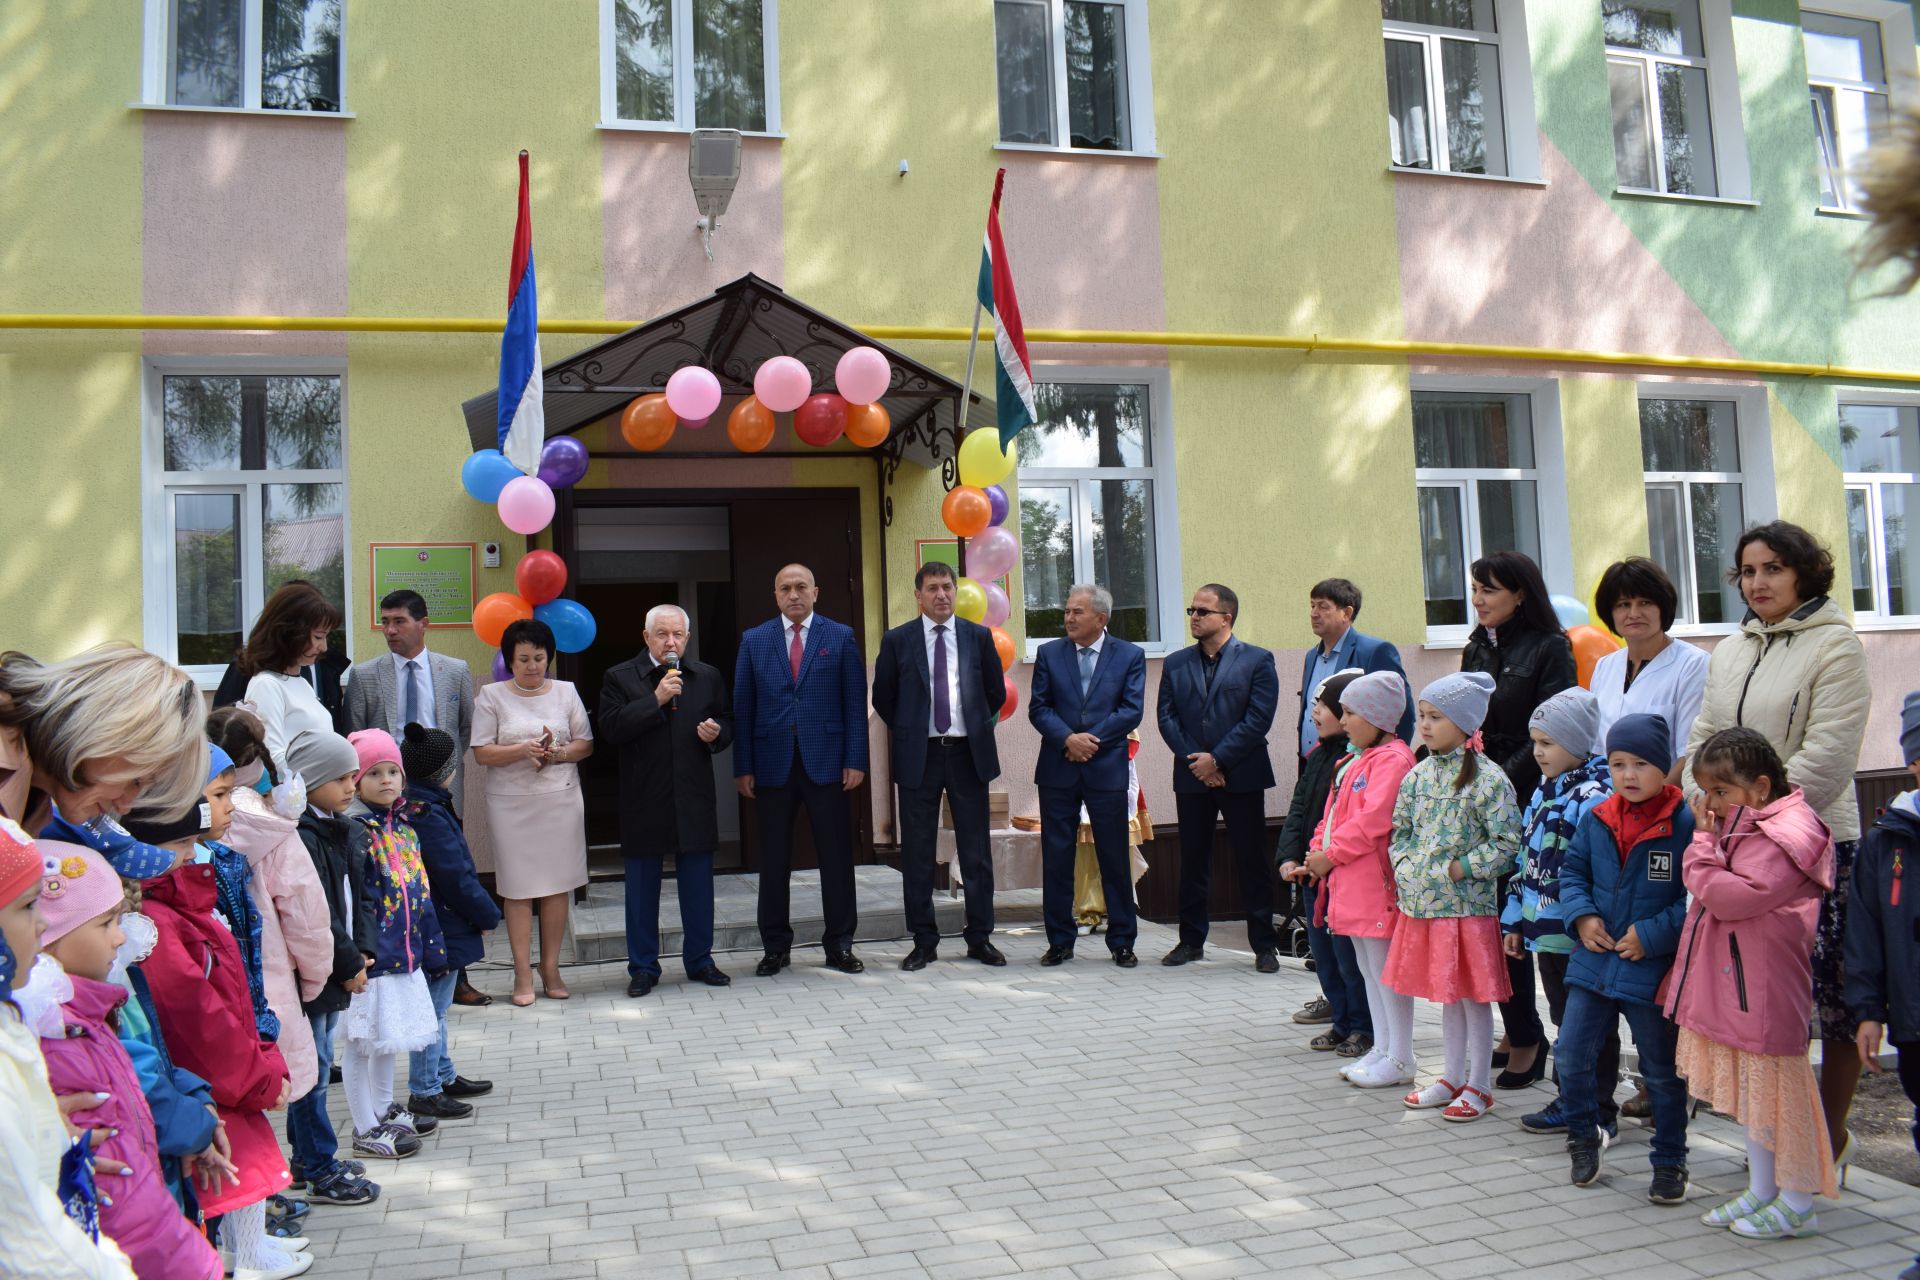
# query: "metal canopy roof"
{"points": [[732, 332]]}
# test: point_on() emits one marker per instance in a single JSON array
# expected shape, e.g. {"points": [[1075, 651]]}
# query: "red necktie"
{"points": [[794, 651]]}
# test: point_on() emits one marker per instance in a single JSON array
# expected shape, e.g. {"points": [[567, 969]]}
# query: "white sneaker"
{"points": [[1387, 1073], [297, 1265], [1372, 1056]]}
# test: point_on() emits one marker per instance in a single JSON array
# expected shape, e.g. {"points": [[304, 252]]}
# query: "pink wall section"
{"points": [[243, 215], [1084, 235]]}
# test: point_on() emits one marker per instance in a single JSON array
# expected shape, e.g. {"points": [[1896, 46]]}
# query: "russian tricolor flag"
{"points": [[523, 423]]}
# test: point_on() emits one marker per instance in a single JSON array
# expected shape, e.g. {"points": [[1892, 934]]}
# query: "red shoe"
{"points": [[1470, 1105], [1437, 1094]]}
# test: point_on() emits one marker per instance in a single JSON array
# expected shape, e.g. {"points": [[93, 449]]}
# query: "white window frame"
{"points": [[1728, 136], [156, 66], [1902, 85], [1758, 499], [1870, 482], [1166, 506], [1548, 474], [158, 486], [683, 87], [1139, 85], [1519, 130]]}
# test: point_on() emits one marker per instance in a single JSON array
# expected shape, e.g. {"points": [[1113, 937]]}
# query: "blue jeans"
{"points": [[430, 1069], [1339, 972], [1590, 1016], [694, 872], [309, 1129]]}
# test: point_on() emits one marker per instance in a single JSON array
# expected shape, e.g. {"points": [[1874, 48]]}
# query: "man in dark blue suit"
{"points": [[1089, 690], [800, 738], [938, 685], [1333, 604], [1217, 700]]}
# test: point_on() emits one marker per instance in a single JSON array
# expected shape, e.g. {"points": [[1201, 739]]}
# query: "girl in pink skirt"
{"points": [[1456, 832]]}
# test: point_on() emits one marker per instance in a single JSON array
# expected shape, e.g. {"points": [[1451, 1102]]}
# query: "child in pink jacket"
{"points": [[82, 904], [1349, 854], [1741, 985]]}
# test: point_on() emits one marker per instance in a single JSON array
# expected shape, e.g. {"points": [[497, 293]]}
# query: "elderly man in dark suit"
{"points": [[1089, 691], [668, 716], [938, 685], [1217, 700]]}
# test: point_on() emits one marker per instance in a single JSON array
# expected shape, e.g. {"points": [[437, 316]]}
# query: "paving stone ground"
{"points": [[1070, 1123]]}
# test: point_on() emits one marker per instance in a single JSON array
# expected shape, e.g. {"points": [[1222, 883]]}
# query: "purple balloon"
{"points": [[563, 461], [998, 497], [500, 672]]}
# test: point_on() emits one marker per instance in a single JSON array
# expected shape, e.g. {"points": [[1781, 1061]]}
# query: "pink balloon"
{"points": [[999, 608], [862, 376], [693, 394], [993, 553], [695, 426], [782, 384], [526, 504]]}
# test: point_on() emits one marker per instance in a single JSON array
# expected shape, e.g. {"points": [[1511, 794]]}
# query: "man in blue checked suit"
{"points": [[800, 738], [1089, 691]]}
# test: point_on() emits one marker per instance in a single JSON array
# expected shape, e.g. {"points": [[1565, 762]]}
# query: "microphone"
{"points": [[672, 664]]}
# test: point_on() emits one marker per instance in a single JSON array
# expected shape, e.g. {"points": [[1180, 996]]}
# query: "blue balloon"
{"points": [[485, 473], [1570, 611], [573, 627]]}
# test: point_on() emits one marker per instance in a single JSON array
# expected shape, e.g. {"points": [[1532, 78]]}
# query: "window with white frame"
{"points": [[251, 487], [1477, 478], [253, 55], [1457, 86], [690, 64], [1852, 100], [1095, 500], [1696, 501], [1663, 88], [1074, 74], [1880, 455]]}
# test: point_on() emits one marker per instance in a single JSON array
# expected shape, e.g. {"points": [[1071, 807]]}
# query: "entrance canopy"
{"points": [[732, 333]]}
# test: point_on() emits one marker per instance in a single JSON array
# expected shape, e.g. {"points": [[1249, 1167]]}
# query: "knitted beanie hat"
{"points": [[1328, 691], [320, 757], [1462, 698], [1379, 698], [21, 862], [1571, 718], [1645, 736], [426, 754], [84, 887], [375, 746]]}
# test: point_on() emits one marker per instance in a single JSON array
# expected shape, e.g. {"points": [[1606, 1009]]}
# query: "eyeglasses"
{"points": [[1207, 613]]}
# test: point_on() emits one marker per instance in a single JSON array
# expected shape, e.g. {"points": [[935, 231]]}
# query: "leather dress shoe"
{"points": [[642, 984], [846, 962], [1267, 962], [1056, 955], [918, 959], [1124, 957], [1182, 954], [438, 1106], [711, 976], [770, 964], [461, 1087], [985, 953]]}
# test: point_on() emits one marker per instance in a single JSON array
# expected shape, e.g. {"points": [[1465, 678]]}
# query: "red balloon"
{"points": [[821, 420], [541, 576], [1012, 704]]}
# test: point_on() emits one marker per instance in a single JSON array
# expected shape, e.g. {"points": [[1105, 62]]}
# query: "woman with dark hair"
{"points": [[530, 733], [1655, 674], [1795, 671], [289, 635], [1522, 646]]}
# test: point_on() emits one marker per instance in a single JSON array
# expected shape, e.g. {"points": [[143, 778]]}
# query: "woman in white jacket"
{"points": [[1795, 672]]}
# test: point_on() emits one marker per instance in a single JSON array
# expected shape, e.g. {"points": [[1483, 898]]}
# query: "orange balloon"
{"points": [[750, 425], [1003, 645], [1590, 644], [967, 511], [495, 613], [868, 425], [647, 423]]}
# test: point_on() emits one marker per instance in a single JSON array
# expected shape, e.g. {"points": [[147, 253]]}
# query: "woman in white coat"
{"points": [[1655, 674]]}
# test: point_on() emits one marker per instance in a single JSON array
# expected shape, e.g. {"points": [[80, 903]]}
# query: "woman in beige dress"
{"points": [[531, 733]]}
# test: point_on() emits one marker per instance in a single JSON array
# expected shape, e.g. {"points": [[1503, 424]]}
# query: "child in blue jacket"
{"points": [[1622, 896]]}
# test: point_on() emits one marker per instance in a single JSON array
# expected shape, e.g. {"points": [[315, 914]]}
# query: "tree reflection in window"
{"points": [[300, 55]]}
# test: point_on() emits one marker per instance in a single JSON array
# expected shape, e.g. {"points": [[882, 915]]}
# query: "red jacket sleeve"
{"points": [[204, 1032]]}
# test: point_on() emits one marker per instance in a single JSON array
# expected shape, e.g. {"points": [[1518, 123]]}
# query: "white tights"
{"points": [[1392, 1012], [1760, 1179], [245, 1230], [1468, 1027], [367, 1078]]}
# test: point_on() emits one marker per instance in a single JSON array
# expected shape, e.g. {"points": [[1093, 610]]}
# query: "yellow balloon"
{"points": [[981, 461], [970, 600]]}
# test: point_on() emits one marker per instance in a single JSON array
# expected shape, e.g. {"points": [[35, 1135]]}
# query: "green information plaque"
{"points": [[442, 572]]}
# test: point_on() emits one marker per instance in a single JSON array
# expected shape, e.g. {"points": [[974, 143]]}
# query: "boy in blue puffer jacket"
{"points": [[1621, 894]]}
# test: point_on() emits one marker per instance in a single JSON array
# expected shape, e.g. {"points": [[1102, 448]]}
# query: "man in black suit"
{"points": [[1217, 701], [938, 685]]}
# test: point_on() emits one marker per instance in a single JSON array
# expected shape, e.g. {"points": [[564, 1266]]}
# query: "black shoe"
{"points": [[918, 959], [642, 984], [343, 1187], [1521, 1079], [711, 976], [845, 962], [1267, 962], [438, 1106], [333, 1074], [1057, 955], [771, 963], [1182, 954], [461, 1087], [1669, 1185], [985, 953], [1586, 1160], [287, 1208], [1124, 957]]}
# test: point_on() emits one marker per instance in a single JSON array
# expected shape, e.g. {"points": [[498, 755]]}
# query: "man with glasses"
{"points": [[1217, 701]]}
